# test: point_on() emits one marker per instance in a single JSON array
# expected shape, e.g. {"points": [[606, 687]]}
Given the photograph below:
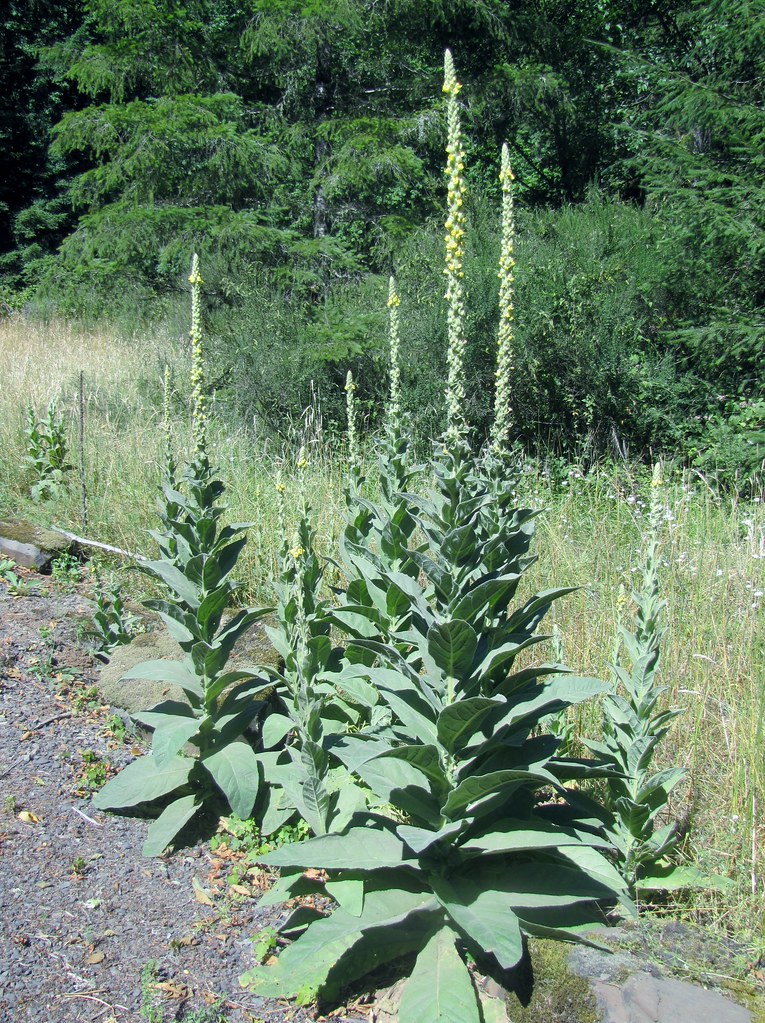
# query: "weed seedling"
{"points": [[94, 773], [113, 625], [150, 1010], [77, 868], [9, 804], [66, 571], [18, 586]]}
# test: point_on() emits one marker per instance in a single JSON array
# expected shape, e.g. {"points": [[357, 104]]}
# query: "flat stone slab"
{"points": [[626, 992], [32, 546]]}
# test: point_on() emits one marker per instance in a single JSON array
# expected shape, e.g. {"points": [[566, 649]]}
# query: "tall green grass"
{"points": [[591, 535]]}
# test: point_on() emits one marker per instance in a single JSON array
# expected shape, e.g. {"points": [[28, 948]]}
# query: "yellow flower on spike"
{"points": [[199, 410], [500, 432], [453, 270], [394, 408]]}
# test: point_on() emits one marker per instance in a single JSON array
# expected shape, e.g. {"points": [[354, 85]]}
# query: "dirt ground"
{"points": [[90, 930]]}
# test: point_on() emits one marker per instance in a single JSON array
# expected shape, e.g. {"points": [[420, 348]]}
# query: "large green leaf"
{"points": [[424, 758], [143, 781], [458, 721], [373, 848], [597, 868], [175, 579], [179, 624], [439, 989], [473, 789], [164, 829], [229, 678], [535, 609], [542, 883], [275, 728], [509, 836], [177, 673], [211, 609], [402, 784], [452, 645], [548, 697], [483, 597], [348, 893], [420, 839], [484, 916], [303, 966], [170, 737], [234, 769], [159, 714]]}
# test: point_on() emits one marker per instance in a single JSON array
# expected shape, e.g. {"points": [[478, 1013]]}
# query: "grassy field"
{"points": [[591, 534]]}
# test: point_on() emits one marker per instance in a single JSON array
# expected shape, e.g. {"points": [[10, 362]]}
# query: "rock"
{"points": [[134, 695], [32, 546], [647, 999], [577, 984]]}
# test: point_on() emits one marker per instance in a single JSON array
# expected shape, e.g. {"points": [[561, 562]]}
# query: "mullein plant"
{"points": [[377, 534], [47, 452], [472, 838], [634, 724], [197, 556], [297, 767]]}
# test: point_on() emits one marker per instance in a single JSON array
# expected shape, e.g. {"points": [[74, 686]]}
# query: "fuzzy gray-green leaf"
{"points": [[170, 822], [439, 989], [142, 781]]}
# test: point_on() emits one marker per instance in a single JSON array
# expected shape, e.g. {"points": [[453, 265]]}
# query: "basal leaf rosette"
{"points": [[480, 841]]}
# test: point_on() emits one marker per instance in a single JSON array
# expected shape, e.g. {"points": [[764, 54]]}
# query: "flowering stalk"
{"points": [[167, 428], [500, 433], [199, 411], [353, 439], [394, 406], [455, 251]]}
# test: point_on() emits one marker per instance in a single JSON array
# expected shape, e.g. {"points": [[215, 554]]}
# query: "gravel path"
{"points": [[84, 915]]}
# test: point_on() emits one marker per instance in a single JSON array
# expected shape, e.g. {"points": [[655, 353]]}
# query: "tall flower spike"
{"points": [[500, 432], [167, 428], [199, 409], [455, 251], [394, 408], [353, 439]]}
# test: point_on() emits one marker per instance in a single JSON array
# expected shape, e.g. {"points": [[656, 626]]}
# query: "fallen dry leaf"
{"points": [[171, 989], [200, 894], [239, 889], [95, 957], [29, 818]]}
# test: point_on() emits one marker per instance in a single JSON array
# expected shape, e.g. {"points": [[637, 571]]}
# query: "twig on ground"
{"points": [[85, 817], [50, 721]]}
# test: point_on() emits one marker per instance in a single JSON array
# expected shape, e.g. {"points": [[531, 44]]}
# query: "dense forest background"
{"points": [[298, 146]]}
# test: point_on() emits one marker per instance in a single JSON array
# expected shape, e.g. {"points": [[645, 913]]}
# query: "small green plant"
{"points": [[94, 770], [78, 867], [43, 666], [296, 763], [116, 725], [9, 804], [151, 1010], [197, 558], [16, 584], [633, 726], [66, 571], [113, 624], [47, 452], [264, 943]]}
